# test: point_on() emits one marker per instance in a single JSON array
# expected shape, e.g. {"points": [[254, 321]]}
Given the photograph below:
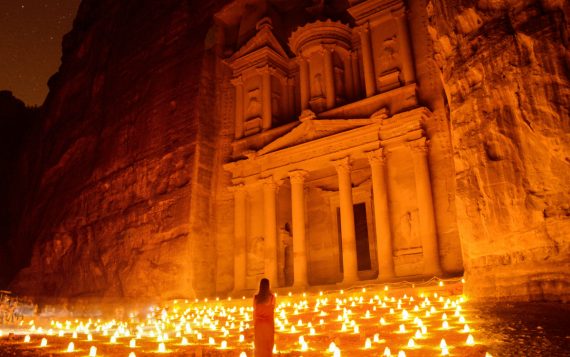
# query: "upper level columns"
{"points": [[355, 75], [304, 82], [349, 258], [238, 84], [367, 62], [266, 116], [298, 216], [239, 237], [270, 228], [329, 78], [381, 215], [425, 206], [408, 75], [349, 83]]}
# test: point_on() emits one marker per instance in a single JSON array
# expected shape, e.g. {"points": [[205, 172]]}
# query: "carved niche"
{"points": [[383, 29], [323, 50], [261, 72]]}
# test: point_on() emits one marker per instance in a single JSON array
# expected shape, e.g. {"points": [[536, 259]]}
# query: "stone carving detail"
{"points": [[286, 255], [507, 198], [376, 157], [253, 104], [390, 56], [409, 225], [298, 176], [342, 165], [256, 256], [390, 62]]}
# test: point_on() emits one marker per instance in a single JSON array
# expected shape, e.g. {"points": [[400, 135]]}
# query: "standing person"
{"points": [[263, 311]]}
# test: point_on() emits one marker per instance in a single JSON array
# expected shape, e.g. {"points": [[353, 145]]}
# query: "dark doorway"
{"points": [[361, 233]]}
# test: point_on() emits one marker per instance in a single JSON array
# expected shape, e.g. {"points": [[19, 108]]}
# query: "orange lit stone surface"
{"points": [[191, 148]]}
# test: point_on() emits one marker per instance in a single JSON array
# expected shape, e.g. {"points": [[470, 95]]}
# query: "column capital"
{"points": [[419, 146], [365, 27], [298, 176], [342, 165], [269, 183], [376, 157], [237, 81], [329, 47], [302, 58]]}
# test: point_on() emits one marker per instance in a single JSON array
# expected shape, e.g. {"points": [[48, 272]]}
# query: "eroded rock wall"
{"points": [[505, 67], [124, 159], [125, 195]]}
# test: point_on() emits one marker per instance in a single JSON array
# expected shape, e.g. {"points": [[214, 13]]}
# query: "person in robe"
{"points": [[263, 312]]}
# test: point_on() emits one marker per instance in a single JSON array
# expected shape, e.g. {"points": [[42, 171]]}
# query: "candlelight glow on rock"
{"points": [[313, 324], [390, 166]]}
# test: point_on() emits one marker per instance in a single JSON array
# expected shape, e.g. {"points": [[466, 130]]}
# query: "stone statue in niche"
{"points": [[339, 83], [256, 256], [409, 228], [286, 258], [275, 105], [318, 89], [389, 77], [389, 57], [253, 104]]}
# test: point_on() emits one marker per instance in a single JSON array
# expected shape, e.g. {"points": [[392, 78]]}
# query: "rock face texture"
{"points": [[120, 201], [505, 67], [125, 194]]}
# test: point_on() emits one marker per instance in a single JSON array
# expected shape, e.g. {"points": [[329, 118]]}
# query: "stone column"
{"points": [[428, 233], [381, 215], [270, 229], [356, 75], [239, 238], [292, 103], [304, 83], [298, 215], [407, 60], [349, 259], [239, 121], [367, 60], [349, 85], [266, 98], [285, 100], [329, 78]]}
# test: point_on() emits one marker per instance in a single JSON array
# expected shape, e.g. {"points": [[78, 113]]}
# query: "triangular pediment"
{"points": [[263, 38], [314, 129]]}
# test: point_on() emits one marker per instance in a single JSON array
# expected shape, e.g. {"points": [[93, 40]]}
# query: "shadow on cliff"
{"points": [[16, 124]]}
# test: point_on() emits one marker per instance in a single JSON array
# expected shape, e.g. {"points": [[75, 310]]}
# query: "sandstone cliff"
{"points": [[124, 191], [123, 163], [505, 67]]}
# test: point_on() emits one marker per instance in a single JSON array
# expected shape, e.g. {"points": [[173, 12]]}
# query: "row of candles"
{"points": [[367, 321]]}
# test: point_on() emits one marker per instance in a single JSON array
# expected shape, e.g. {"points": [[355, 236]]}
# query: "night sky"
{"points": [[31, 32]]}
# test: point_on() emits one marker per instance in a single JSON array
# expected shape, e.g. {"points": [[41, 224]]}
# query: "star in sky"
{"points": [[31, 32]]}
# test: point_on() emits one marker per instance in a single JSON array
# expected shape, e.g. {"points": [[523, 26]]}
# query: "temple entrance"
{"points": [[364, 261]]}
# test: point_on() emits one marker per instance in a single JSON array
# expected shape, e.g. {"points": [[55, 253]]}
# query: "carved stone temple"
{"points": [[330, 162], [190, 148]]}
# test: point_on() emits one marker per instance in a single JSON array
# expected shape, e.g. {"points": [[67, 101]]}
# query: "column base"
{"points": [[433, 269], [299, 286], [385, 278], [237, 293], [434, 272], [349, 280]]}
